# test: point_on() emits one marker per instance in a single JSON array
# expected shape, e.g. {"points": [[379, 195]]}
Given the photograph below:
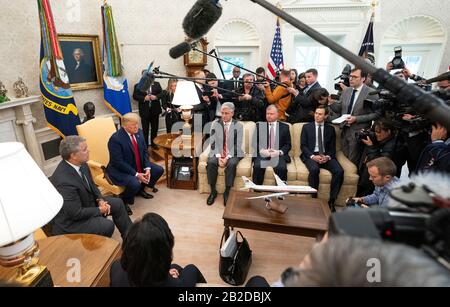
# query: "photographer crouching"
{"points": [[379, 142], [382, 173]]}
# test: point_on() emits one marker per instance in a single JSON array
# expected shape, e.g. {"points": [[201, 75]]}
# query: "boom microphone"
{"points": [[202, 16], [443, 77], [180, 50]]}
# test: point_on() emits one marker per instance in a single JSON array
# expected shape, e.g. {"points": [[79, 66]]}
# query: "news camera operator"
{"points": [[302, 108], [436, 156], [382, 173], [360, 114], [413, 136], [248, 105], [215, 98], [379, 142]]}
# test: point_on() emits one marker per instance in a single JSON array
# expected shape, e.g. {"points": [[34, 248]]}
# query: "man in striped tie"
{"points": [[226, 151], [272, 144]]}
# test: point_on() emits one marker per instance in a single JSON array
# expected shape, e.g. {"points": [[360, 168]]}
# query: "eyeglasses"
{"points": [[354, 77]]}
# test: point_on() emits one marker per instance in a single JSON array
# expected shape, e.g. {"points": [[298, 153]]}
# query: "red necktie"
{"points": [[225, 140], [137, 156]]}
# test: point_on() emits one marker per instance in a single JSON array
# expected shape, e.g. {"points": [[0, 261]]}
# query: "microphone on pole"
{"points": [[198, 21], [179, 50]]}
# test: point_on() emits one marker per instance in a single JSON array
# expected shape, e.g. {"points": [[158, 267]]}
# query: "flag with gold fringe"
{"points": [[59, 105], [115, 85], [367, 50]]}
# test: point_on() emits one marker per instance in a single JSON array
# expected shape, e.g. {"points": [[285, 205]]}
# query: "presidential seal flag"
{"points": [[59, 106], [115, 85], [367, 50]]}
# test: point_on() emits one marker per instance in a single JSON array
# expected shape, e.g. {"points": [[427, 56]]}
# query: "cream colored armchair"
{"points": [[350, 171], [97, 133], [244, 167]]}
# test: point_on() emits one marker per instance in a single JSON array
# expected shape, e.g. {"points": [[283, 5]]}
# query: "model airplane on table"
{"points": [[280, 190]]}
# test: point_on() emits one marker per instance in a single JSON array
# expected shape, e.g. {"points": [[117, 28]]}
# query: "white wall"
{"points": [[148, 28]]}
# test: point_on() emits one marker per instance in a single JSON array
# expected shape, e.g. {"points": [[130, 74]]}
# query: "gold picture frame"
{"points": [[82, 60]]}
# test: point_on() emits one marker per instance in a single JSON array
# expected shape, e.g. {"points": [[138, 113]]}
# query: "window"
{"points": [[228, 68], [311, 54]]}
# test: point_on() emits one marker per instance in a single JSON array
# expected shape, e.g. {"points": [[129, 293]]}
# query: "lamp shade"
{"points": [[28, 200], [186, 94]]}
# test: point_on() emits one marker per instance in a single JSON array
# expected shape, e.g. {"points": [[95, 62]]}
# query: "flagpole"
{"points": [[425, 103]]}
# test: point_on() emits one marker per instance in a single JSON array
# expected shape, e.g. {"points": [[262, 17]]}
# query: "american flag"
{"points": [[368, 47], [276, 61]]}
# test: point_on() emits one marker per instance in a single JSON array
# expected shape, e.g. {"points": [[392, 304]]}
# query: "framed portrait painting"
{"points": [[82, 60]]}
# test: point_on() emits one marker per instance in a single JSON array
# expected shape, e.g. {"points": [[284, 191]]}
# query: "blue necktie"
{"points": [[352, 102]]}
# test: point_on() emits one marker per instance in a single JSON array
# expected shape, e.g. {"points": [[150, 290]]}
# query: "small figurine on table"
{"points": [[20, 88], [3, 91]]}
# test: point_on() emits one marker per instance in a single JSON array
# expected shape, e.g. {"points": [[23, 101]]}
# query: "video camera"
{"points": [[393, 109], [363, 134], [397, 61], [422, 221], [344, 78]]}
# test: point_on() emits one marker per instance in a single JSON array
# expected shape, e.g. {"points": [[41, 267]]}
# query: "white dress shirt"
{"points": [[358, 91]]}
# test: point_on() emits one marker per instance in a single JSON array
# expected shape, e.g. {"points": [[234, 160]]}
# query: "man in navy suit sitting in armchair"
{"points": [[318, 144], [129, 164]]}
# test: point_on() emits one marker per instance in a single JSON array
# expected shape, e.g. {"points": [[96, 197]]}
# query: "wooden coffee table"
{"points": [[304, 217]]}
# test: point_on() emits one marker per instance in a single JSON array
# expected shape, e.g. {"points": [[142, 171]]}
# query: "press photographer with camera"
{"points": [[379, 142], [401, 265], [436, 156], [215, 98], [251, 103], [360, 114], [171, 112], [302, 108], [382, 173]]}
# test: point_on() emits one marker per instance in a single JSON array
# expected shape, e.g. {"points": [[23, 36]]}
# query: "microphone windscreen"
{"points": [[202, 16], [145, 82], [179, 50]]}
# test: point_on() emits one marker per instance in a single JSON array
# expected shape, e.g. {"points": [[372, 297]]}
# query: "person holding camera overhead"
{"points": [[360, 114], [379, 142]]}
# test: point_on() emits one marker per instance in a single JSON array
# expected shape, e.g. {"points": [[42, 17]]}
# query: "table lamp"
{"points": [[186, 96], [28, 201]]}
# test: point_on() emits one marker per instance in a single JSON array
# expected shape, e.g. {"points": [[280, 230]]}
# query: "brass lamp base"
{"points": [[36, 276], [23, 255]]}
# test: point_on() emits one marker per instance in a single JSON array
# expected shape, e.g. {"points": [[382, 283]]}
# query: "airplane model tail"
{"points": [[249, 185]]}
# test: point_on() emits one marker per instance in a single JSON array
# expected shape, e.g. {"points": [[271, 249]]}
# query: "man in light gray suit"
{"points": [[226, 151], [360, 114]]}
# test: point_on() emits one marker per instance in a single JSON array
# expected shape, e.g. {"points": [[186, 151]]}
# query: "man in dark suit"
{"points": [[233, 84], [360, 114], [271, 145], [226, 151], [318, 144], [311, 76], [149, 109], [84, 209], [129, 165]]}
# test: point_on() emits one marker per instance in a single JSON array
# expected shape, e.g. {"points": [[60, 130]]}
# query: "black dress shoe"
{"points": [[211, 198], [332, 207], [145, 195], [129, 211], [225, 198]]}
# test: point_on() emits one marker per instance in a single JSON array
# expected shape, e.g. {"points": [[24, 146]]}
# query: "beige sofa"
{"points": [[297, 171]]}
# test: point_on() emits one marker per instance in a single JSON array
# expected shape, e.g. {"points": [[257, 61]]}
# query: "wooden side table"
{"points": [[62, 254], [174, 145]]}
